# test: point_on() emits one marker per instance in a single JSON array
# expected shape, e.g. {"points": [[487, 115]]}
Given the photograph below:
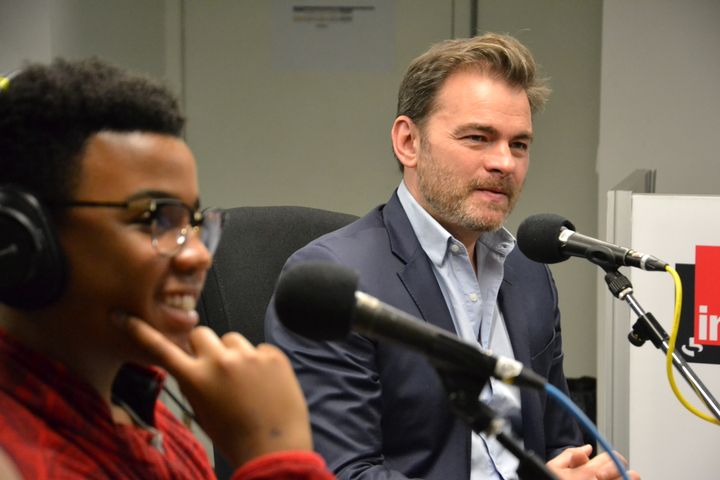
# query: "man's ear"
{"points": [[406, 140]]}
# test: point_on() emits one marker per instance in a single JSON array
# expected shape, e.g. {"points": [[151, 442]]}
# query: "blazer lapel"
{"points": [[510, 301], [417, 276], [512, 305]]}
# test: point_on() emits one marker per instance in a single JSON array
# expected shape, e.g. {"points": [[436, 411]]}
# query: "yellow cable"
{"points": [[671, 349]]}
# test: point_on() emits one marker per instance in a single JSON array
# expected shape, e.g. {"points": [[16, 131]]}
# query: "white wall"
{"points": [[659, 94], [130, 33], [25, 33], [272, 130]]}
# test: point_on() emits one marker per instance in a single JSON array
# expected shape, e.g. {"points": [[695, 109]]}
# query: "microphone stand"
{"points": [[648, 328], [464, 397]]}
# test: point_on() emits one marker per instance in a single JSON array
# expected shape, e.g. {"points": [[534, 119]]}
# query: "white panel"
{"points": [[613, 327], [667, 441]]}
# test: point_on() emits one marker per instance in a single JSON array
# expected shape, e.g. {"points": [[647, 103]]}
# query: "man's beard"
{"points": [[449, 196]]}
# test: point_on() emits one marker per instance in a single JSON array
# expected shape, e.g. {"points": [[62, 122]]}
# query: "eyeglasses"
{"points": [[170, 221]]}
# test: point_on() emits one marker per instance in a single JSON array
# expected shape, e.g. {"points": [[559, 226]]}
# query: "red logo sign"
{"points": [[707, 295]]}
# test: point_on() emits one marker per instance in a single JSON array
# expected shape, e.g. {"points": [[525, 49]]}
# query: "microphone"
{"points": [[550, 238], [320, 301]]}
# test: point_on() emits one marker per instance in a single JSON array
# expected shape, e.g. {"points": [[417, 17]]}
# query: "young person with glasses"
{"points": [[104, 250]]}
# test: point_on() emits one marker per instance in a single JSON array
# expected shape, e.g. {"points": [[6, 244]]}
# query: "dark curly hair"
{"points": [[48, 113]]}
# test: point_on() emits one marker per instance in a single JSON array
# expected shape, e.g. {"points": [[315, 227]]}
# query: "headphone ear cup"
{"points": [[31, 261]]}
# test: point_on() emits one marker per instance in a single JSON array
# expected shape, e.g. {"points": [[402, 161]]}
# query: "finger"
{"points": [[270, 348], [235, 340], [272, 351], [587, 449], [604, 458], [576, 456], [567, 458], [579, 456], [609, 472], [203, 341], [606, 468], [161, 350], [621, 457], [559, 461]]}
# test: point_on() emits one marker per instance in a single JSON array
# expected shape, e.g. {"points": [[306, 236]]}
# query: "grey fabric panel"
{"points": [[255, 244]]}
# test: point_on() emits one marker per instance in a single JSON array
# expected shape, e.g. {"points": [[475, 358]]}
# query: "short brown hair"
{"points": [[498, 55]]}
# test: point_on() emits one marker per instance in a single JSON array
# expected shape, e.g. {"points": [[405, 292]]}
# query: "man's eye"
{"points": [[476, 138], [520, 146]]}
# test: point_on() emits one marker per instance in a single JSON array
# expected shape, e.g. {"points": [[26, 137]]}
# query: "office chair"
{"points": [[255, 244]]}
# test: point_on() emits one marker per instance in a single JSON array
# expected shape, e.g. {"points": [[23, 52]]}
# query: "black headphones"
{"points": [[33, 270]]}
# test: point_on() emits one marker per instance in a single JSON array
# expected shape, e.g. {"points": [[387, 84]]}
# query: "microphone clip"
{"points": [[618, 283], [464, 398]]}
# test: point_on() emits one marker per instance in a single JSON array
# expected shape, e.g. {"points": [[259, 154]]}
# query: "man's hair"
{"points": [[500, 56], [49, 112]]}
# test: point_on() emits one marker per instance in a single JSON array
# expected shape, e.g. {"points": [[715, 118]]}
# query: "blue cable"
{"points": [[558, 395]]}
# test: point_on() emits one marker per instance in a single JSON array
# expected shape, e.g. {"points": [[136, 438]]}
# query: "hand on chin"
{"points": [[139, 351]]}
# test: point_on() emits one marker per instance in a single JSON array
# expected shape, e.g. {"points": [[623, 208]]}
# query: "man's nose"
{"points": [[500, 159]]}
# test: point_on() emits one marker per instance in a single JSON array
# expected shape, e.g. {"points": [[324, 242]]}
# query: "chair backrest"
{"points": [[255, 244]]}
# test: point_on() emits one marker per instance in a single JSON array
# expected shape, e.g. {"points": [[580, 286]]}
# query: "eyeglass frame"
{"points": [[197, 217]]}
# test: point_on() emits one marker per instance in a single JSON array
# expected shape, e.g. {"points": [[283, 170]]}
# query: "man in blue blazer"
{"points": [[437, 250]]}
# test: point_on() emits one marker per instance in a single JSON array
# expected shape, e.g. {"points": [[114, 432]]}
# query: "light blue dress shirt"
{"points": [[472, 301]]}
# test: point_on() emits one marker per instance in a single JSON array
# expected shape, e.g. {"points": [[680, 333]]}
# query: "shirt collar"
{"points": [[435, 240]]}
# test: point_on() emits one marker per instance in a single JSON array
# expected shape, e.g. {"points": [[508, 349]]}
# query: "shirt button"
{"points": [[454, 248], [473, 297]]}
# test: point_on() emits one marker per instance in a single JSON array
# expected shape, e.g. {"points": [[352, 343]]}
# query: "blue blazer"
{"points": [[379, 410]]}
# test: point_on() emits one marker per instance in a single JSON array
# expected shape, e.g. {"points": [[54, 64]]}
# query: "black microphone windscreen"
{"points": [[317, 300], [537, 237]]}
